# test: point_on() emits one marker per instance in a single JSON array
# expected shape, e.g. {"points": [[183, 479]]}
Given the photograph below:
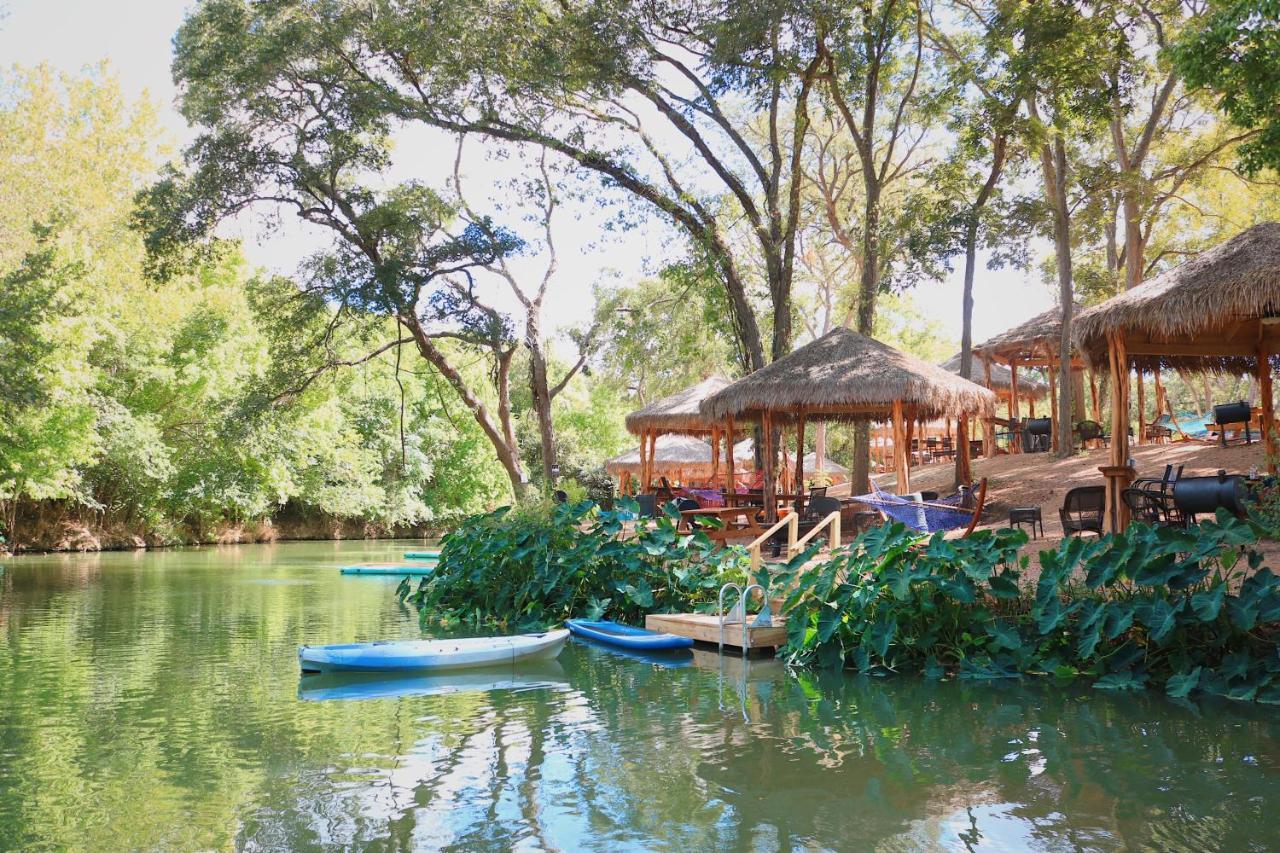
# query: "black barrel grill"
{"points": [[1233, 413], [1036, 433], [1204, 495]]}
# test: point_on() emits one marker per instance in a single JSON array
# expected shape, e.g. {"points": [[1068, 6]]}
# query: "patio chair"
{"points": [[1082, 510]]}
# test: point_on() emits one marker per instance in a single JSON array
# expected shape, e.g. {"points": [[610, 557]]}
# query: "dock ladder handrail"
{"points": [[763, 618], [791, 521]]}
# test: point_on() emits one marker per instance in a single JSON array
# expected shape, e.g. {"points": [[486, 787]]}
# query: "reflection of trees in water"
{"points": [[160, 702]]}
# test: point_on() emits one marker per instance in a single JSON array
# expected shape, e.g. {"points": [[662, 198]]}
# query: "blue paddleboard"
{"points": [[626, 636]]}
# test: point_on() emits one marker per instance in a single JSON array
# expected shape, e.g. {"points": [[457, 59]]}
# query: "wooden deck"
{"points": [[705, 628]]}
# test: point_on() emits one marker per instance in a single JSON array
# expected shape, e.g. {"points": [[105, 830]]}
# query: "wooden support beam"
{"points": [[1054, 428], [1142, 407], [901, 450], [715, 454], [964, 470], [767, 462], [1118, 474], [1015, 444], [800, 462], [1093, 393], [729, 473], [644, 459], [1268, 406]]}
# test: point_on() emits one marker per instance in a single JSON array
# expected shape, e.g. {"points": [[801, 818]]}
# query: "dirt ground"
{"points": [[1041, 479]]}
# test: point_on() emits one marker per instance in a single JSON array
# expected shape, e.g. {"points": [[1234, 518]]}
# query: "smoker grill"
{"points": [[1036, 433], [1203, 495], [1233, 413]]}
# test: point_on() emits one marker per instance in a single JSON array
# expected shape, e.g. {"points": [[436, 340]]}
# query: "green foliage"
{"points": [[1234, 54], [540, 564], [1183, 609]]}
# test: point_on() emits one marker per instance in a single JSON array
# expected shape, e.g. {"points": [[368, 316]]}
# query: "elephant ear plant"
{"points": [[1185, 610], [535, 566]]}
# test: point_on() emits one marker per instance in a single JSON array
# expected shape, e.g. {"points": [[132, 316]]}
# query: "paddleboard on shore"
{"points": [[431, 655], [397, 569]]}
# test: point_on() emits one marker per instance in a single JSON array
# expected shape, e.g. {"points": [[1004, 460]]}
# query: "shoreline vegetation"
{"points": [[1183, 611]]}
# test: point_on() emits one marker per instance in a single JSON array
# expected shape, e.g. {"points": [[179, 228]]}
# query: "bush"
{"points": [[1188, 610], [535, 566]]}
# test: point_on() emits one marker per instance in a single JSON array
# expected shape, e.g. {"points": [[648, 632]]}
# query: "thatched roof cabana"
{"points": [[673, 453], [1026, 344], [1218, 312], [678, 412], [1208, 314], [846, 376], [745, 454], [1001, 378]]}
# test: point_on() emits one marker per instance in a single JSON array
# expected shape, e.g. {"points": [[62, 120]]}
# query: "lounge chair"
{"points": [[1082, 510]]}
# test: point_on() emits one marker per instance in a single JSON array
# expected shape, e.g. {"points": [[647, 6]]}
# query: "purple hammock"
{"points": [[925, 516]]}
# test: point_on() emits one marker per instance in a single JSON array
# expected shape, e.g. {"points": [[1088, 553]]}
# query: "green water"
{"points": [[153, 700]]}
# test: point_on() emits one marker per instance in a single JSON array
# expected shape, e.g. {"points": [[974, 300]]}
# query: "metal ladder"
{"points": [[739, 613]]}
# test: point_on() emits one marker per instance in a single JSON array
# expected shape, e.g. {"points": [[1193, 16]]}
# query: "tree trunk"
{"points": [[540, 388], [868, 285], [503, 439], [1066, 291]]}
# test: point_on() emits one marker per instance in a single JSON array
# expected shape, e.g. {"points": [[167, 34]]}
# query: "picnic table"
{"points": [[740, 522]]}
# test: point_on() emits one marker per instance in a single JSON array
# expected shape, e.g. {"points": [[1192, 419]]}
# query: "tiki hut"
{"points": [[845, 376], [1001, 378], [1218, 312], [1034, 343], [680, 457], [745, 451], [676, 414]]}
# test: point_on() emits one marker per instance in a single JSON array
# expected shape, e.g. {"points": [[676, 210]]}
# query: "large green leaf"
{"points": [[1181, 684], [1003, 586], [1127, 680], [1207, 603], [881, 634], [1158, 617]]}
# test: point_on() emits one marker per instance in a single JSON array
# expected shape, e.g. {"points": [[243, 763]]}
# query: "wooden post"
{"points": [[715, 453], [988, 434], [644, 458], [1053, 408], [729, 482], [800, 462], [964, 471], [901, 451], [766, 459], [1142, 407], [1268, 406], [1093, 393], [1118, 474], [1015, 436]]}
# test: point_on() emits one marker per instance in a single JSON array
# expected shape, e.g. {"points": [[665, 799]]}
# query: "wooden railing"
{"points": [[833, 541], [791, 521]]}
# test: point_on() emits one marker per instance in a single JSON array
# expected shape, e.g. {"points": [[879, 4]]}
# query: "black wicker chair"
{"points": [[1082, 510]]}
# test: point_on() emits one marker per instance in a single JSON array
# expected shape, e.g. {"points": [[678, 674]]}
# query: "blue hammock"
{"points": [[925, 516]]}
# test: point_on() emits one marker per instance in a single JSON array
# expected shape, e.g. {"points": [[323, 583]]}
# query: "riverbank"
{"points": [[54, 528]]}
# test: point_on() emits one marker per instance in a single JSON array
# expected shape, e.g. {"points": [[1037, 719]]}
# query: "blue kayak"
{"points": [[387, 569], [626, 636], [422, 555]]}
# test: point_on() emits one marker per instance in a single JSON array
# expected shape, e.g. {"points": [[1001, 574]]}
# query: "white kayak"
{"points": [[428, 655]]}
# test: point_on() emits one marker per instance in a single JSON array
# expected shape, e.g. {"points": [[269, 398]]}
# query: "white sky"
{"points": [[135, 37]]}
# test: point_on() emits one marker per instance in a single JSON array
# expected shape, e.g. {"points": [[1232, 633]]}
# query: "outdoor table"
{"points": [[1020, 515], [729, 515]]}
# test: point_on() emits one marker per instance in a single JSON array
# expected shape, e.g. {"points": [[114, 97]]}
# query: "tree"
{"points": [[1234, 54], [282, 132], [542, 196], [1052, 50], [881, 105]]}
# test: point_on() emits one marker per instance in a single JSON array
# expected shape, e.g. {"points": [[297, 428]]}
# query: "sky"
{"points": [[135, 38]]}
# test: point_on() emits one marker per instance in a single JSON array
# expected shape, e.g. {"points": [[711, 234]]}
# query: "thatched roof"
{"points": [[1027, 341], [1215, 301], [1001, 377], [679, 412], [672, 453], [744, 459], [846, 376]]}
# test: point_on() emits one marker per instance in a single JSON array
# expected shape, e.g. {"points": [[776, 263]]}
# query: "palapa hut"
{"points": [[677, 456], [999, 379], [846, 376], [1218, 312], [745, 452], [677, 414], [1035, 343]]}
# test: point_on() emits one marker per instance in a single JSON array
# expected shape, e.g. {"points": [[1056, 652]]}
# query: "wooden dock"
{"points": [[705, 628]]}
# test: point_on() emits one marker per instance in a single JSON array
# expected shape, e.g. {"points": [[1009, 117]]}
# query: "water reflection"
{"points": [[155, 701]]}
